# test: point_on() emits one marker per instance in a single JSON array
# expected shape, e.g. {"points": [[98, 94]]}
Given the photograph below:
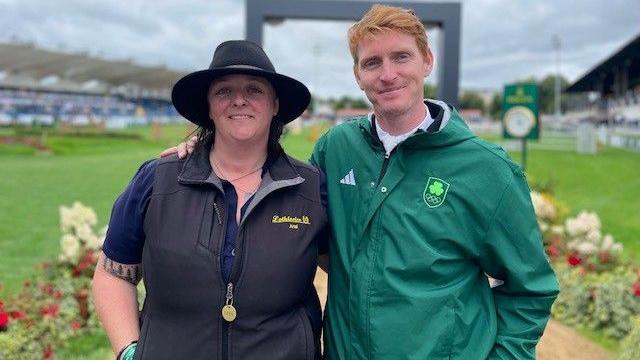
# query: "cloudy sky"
{"points": [[502, 40]]}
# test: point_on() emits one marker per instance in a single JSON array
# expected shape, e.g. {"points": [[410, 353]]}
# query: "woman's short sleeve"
{"points": [[125, 235]]}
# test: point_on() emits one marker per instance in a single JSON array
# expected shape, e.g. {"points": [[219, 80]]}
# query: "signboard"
{"points": [[520, 109]]}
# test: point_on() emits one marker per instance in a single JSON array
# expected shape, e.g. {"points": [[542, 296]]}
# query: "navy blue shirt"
{"points": [[229, 250], [125, 236]]}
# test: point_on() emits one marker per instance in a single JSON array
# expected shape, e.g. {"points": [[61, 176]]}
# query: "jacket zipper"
{"points": [[217, 212], [226, 329], [385, 164], [227, 325], [229, 287], [229, 295], [383, 170]]}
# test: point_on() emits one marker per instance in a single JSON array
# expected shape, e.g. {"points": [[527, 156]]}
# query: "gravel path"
{"points": [[562, 342]]}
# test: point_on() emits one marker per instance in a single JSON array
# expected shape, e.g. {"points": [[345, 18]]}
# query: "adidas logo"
{"points": [[349, 179]]}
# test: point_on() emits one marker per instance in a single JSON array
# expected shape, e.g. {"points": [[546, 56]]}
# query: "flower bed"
{"points": [[598, 290], [55, 305]]}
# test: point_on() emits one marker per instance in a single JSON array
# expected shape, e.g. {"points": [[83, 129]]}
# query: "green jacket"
{"points": [[414, 236]]}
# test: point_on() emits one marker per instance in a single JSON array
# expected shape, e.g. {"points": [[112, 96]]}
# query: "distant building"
{"points": [[615, 87], [343, 115], [471, 115]]}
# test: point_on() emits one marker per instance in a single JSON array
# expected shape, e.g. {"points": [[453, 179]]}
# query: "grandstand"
{"points": [[615, 84], [43, 86]]}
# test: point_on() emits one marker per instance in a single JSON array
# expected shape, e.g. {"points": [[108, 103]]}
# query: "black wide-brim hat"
{"points": [[190, 93]]}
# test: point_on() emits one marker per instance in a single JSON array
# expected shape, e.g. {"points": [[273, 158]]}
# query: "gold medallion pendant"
{"points": [[229, 313]]}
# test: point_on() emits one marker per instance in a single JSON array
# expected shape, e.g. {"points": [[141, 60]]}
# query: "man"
{"points": [[421, 211]]}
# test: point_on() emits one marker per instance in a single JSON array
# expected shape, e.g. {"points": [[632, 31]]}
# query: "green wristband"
{"points": [[128, 352]]}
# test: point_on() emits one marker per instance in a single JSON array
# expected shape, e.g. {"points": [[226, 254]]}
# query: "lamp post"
{"points": [[555, 40]]}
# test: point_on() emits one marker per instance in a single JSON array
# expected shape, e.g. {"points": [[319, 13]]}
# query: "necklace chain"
{"points": [[227, 178]]}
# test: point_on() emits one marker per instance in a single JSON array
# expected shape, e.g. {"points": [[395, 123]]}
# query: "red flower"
{"points": [[553, 251], [17, 315], [57, 294], [4, 320], [50, 311], [636, 289], [47, 289], [48, 353], [574, 259], [75, 325], [89, 257], [76, 272]]}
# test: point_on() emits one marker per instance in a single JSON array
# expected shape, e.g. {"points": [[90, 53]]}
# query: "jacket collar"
{"points": [[447, 129], [197, 170]]}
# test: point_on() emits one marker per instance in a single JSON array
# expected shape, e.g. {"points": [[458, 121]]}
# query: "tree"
{"points": [[495, 107], [348, 102], [472, 100], [546, 90], [312, 104], [430, 91], [547, 93]]}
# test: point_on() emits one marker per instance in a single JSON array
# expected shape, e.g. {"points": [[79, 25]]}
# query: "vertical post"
{"points": [[524, 154], [450, 55], [556, 46], [254, 21]]}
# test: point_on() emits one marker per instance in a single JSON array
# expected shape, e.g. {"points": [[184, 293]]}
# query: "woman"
{"points": [[228, 238]]}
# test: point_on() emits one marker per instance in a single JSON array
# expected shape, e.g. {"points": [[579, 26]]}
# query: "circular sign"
{"points": [[519, 121]]}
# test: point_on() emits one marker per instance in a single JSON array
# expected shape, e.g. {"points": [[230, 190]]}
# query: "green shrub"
{"points": [[630, 346], [600, 301]]}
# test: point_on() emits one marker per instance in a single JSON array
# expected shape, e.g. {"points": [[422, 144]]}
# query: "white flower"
{"points": [[76, 216], [70, 247], [590, 220], [583, 223], [607, 242], [593, 236], [543, 208], [557, 229], [84, 214], [95, 242], [66, 223], [543, 226], [84, 232], [573, 244], [586, 248], [609, 245]]}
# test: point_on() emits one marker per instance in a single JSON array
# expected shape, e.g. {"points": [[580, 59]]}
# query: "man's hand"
{"points": [[183, 149]]}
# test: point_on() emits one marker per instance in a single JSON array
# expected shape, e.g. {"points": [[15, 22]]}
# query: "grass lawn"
{"points": [[91, 170], [608, 183], [94, 170], [94, 346]]}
